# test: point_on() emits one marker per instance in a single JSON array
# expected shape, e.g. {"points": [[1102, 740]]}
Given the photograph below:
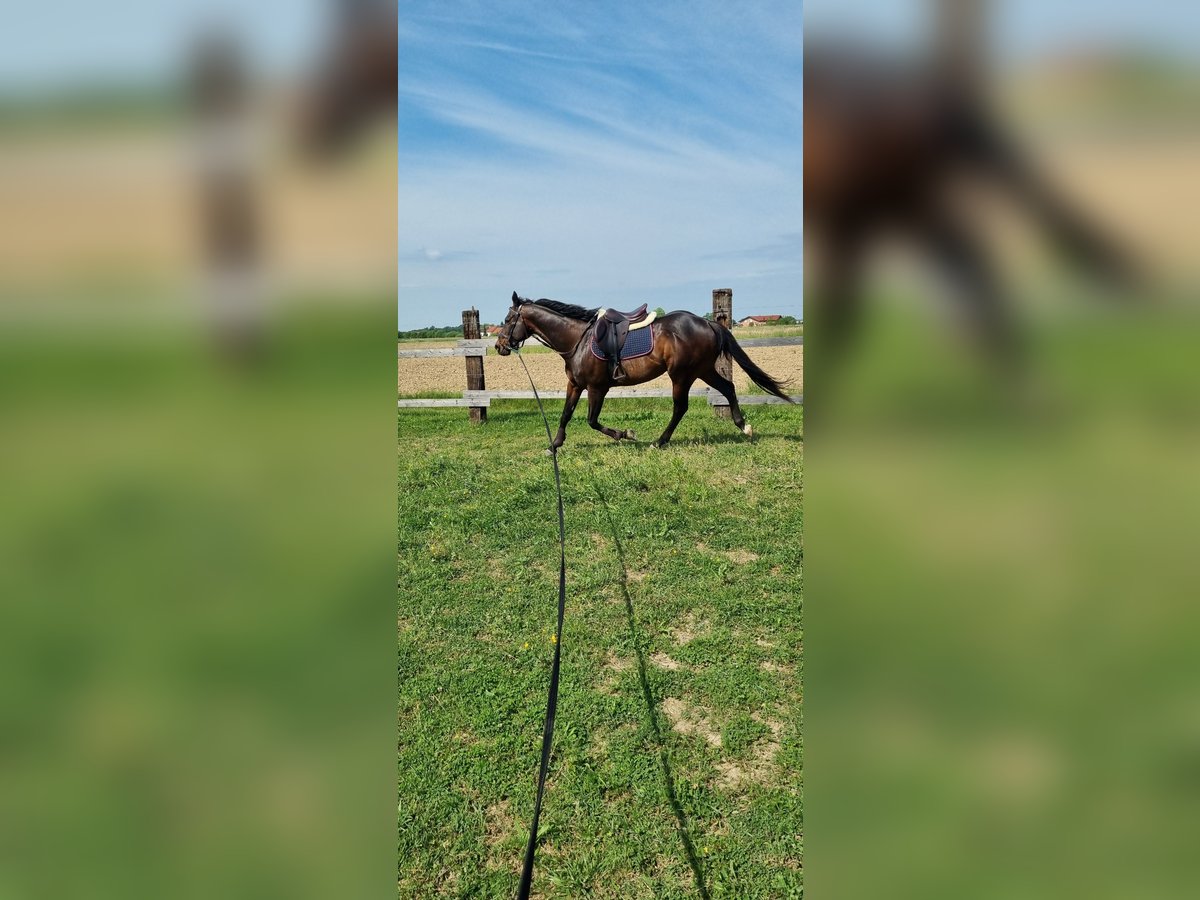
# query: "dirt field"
{"points": [[417, 377]]}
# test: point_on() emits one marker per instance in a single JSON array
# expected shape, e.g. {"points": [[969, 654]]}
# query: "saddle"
{"points": [[637, 318], [612, 327]]}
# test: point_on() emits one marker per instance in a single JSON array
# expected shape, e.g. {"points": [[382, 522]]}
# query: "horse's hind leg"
{"points": [[679, 393], [725, 387], [595, 403]]}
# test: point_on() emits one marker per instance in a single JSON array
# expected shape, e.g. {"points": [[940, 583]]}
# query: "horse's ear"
{"points": [[516, 299]]}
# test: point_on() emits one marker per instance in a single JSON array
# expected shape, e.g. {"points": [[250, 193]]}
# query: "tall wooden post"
{"points": [[470, 320], [723, 315], [221, 97]]}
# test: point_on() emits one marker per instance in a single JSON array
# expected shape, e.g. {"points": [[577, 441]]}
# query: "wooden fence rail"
{"points": [[483, 399], [447, 351]]}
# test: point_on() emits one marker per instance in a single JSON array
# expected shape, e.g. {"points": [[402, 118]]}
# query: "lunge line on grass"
{"points": [[552, 700]]}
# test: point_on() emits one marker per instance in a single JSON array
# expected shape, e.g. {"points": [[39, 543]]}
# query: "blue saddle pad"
{"points": [[637, 343]]}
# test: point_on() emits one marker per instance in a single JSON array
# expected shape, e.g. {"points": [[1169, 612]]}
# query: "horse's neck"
{"points": [[561, 334]]}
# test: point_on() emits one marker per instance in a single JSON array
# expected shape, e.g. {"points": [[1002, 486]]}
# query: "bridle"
{"points": [[508, 332]]}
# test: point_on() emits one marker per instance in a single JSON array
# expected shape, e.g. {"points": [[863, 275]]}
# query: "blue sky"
{"points": [[68, 42], [600, 153]]}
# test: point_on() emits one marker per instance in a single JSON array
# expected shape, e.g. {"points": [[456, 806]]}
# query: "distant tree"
{"points": [[709, 317], [431, 331], [787, 320], [659, 311]]}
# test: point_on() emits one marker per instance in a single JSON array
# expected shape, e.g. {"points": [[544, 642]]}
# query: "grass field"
{"points": [[677, 755], [196, 644]]}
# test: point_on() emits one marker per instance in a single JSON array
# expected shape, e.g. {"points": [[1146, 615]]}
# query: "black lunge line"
{"points": [[552, 700]]}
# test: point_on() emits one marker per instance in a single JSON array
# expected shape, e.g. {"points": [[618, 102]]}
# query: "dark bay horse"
{"points": [[889, 146], [685, 346]]}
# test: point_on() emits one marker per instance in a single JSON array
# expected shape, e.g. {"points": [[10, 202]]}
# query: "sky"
{"points": [[68, 42], [606, 153], [1025, 30]]}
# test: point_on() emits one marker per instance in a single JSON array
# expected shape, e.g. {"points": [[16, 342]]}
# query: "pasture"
{"points": [[677, 754]]}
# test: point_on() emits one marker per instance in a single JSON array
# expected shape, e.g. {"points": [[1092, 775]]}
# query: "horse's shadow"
{"points": [[652, 714], [705, 440], [701, 440]]}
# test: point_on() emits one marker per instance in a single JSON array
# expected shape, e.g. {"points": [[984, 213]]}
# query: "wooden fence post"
{"points": [[222, 106], [723, 315], [470, 320]]}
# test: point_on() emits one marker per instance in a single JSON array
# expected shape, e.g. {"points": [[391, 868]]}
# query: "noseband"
{"points": [[515, 346]]}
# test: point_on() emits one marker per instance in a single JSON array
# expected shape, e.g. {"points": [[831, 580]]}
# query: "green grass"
{"points": [[769, 331], [677, 753], [195, 559], [1006, 569]]}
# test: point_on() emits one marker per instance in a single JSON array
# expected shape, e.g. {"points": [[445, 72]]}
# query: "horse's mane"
{"points": [[570, 310]]}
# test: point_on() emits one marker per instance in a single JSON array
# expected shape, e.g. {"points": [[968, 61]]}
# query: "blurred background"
{"points": [[197, 457], [1001, 203], [197, 276]]}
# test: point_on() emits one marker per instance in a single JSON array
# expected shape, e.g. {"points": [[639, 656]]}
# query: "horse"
{"points": [[888, 147], [684, 346]]}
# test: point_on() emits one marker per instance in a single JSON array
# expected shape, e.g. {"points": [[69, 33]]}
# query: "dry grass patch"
{"points": [[615, 663], [760, 767], [741, 557], [613, 667], [687, 719], [781, 668], [665, 662], [688, 630], [498, 823]]}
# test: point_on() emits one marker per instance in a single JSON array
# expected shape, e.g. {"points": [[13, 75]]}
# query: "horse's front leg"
{"points": [[595, 403], [679, 393], [573, 392]]}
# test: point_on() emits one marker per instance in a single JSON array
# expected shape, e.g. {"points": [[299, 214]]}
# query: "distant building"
{"points": [[492, 329], [758, 320]]}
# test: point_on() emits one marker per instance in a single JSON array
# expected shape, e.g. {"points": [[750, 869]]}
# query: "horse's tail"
{"points": [[730, 345]]}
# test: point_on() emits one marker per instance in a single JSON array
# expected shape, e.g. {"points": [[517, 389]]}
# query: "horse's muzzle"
{"points": [[503, 349]]}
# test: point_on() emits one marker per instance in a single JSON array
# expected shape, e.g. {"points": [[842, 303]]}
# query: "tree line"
{"points": [[431, 331]]}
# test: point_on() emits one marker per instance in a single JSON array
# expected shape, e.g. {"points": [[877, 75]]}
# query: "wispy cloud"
{"points": [[434, 255]]}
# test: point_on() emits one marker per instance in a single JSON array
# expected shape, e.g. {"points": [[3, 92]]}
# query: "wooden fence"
{"points": [[476, 398]]}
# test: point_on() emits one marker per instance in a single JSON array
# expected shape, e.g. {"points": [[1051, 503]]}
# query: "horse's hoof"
{"points": [[630, 436], [747, 430], [653, 446], [548, 452]]}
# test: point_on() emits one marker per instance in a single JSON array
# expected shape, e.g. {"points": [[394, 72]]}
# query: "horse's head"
{"points": [[513, 332]]}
